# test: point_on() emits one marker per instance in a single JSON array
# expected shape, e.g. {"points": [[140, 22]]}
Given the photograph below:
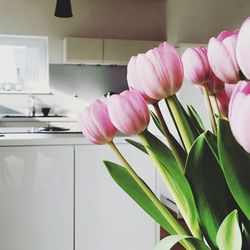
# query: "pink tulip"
{"points": [[95, 123], [196, 66], [222, 56], [134, 82], [243, 48], [223, 98], [157, 74], [129, 112], [239, 114], [197, 69]]}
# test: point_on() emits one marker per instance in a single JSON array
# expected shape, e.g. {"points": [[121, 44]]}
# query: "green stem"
{"points": [[170, 138], [216, 105], [178, 121], [177, 228], [176, 125], [181, 205], [210, 110]]}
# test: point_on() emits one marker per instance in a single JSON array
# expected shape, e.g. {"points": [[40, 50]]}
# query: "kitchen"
{"points": [[55, 191]]}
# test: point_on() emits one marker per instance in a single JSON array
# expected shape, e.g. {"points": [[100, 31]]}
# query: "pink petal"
{"points": [[224, 34], [148, 75], [88, 127], [230, 45], [243, 48], [221, 62], [123, 115], [139, 105], [241, 125], [99, 114], [171, 60], [237, 89], [194, 69], [134, 81]]}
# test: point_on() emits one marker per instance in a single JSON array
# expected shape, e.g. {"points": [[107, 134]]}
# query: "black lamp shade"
{"points": [[63, 8]]}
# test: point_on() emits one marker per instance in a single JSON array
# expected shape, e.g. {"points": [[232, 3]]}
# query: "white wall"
{"points": [[196, 21], [127, 19]]}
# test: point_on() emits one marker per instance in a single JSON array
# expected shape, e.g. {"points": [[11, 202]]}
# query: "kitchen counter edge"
{"points": [[51, 139]]}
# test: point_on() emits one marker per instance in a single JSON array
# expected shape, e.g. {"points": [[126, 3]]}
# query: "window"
{"points": [[24, 64]]}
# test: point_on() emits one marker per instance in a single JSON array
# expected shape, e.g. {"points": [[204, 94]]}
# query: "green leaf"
{"points": [[179, 186], [212, 142], [156, 121], [196, 119], [130, 186], [235, 162], [229, 234], [212, 196], [170, 241], [137, 145]]}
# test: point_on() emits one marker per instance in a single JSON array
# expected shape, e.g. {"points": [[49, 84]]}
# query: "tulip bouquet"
{"points": [[207, 172]]}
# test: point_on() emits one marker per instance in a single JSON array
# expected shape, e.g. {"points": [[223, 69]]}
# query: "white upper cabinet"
{"points": [[120, 51], [83, 50], [103, 51]]}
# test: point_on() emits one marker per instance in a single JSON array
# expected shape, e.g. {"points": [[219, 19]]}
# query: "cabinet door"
{"points": [[83, 50], [106, 217], [120, 51], [36, 197]]}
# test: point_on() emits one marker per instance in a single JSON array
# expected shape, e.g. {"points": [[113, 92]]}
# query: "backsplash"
{"points": [[72, 88]]}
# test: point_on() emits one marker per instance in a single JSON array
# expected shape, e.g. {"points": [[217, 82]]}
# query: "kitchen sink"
{"points": [[51, 129], [24, 130]]}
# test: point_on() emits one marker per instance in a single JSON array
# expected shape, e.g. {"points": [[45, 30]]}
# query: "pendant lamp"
{"points": [[63, 9]]}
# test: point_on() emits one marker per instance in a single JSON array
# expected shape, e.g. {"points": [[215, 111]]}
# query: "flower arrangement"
{"points": [[207, 172]]}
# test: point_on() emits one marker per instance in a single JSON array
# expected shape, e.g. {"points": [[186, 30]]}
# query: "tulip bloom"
{"points": [[157, 74], [129, 112], [239, 114], [222, 56], [243, 49], [197, 69], [223, 98], [196, 66], [95, 123]]}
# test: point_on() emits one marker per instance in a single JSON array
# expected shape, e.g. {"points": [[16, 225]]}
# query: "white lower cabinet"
{"points": [[106, 218], [36, 198]]}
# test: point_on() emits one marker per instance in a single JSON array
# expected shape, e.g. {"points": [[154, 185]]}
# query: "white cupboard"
{"points": [[106, 218], [120, 51], [103, 51], [36, 197], [83, 50]]}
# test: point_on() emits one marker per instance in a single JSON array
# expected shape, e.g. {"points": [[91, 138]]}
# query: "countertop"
{"points": [[38, 119], [35, 139]]}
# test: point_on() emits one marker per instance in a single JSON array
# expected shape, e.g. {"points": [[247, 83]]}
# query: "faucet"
{"points": [[33, 105]]}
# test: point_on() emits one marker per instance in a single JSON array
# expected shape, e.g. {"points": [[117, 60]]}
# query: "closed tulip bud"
{"points": [[157, 74], [243, 48], [239, 114], [197, 69], [222, 56], [129, 112], [223, 98], [196, 66], [95, 123]]}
